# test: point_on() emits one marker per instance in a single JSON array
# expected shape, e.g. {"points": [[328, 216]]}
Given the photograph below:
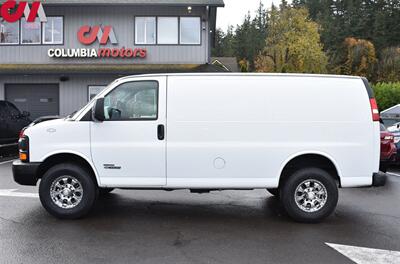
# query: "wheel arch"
{"points": [[67, 156], [310, 159]]}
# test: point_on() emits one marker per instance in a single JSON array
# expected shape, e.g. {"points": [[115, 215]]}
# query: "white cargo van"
{"points": [[299, 136]]}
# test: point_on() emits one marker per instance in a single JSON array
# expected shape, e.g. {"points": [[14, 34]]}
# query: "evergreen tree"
{"points": [[371, 23], [224, 43], [218, 50]]}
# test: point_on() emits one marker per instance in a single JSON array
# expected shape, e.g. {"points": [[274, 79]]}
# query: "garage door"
{"points": [[37, 99]]}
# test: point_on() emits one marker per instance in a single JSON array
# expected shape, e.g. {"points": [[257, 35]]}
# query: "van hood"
{"points": [[43, 119]]}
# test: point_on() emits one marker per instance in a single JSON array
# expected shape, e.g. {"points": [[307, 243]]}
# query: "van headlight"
{"points": [[23, 147]]}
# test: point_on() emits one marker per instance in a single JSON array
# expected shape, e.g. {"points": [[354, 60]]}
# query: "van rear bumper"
{"points": [[25, 173], [379, 179]]}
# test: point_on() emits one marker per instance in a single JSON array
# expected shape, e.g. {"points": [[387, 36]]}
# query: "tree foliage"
{"points": [[224, 46], [370, 22], [246, 41], [373, 20], [355, 57], [292, 43], [359, 37]]}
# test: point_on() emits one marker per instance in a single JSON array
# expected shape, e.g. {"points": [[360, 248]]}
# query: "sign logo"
{"points": [[12, 12], [87, 35]]}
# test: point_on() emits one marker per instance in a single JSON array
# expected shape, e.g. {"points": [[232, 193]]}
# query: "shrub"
{"points": [[387, 94], [389, 65]]}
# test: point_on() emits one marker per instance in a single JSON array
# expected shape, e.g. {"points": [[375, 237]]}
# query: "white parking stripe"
{"points": [[8, 161], [362, 255], [394, 174], [13, 193]]}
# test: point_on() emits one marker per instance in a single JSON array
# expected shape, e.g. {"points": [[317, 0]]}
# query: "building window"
{"points": [[30, 31], [167, 30], [9, 33], [145, 30], [53, 30], [95, 90], [190, 30]]}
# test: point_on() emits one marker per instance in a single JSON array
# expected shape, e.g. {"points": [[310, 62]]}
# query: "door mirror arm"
{"points": [[98, 110]]}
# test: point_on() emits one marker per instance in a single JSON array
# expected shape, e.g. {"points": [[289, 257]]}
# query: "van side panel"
{"points": [[331, 115], [238, 131]]}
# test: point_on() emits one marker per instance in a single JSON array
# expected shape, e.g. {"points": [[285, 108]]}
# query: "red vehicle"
{"points": [[388, 149]]}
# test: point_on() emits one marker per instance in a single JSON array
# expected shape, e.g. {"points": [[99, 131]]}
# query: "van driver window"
{"points": [[132, 101]]}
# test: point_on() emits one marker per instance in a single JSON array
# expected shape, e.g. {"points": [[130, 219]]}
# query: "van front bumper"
{"points": [[25, 173], [379, 179]]}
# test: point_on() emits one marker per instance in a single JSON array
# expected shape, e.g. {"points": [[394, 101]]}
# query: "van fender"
{"points": [[312, 152], [76, 153]]}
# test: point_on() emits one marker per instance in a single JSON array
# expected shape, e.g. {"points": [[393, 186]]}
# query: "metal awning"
{"points": [[123, 69], [217, 3]]}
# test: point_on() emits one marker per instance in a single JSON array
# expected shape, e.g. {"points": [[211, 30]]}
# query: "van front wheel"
{"points": [[309, 195], [67, 191], [105, 191]]}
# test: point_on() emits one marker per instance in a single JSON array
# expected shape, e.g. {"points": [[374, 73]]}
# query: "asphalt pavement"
{"points": [[180, 227]]}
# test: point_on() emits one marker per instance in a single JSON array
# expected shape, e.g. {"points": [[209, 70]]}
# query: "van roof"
{"points": [[245, 74]]}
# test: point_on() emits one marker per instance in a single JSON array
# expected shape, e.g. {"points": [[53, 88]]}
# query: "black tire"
{"points": [[105, 191], [274, 192], [383, 168], [88, 186], [288, 192]]}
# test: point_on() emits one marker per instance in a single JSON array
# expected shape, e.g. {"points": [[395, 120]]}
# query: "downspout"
{"points": [[207, 26]]}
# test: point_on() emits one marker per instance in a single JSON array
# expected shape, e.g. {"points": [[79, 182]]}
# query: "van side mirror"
{"points": [[98, 110]]}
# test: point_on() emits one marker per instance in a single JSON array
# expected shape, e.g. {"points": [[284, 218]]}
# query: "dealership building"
{"points": [[74, 48]]}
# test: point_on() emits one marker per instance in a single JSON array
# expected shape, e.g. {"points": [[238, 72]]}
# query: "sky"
{"points": [[234, 11]]}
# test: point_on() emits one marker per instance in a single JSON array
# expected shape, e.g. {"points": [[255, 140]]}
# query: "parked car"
{"points": [[388, 149], [11, 122], [393, 127], [390, 121], [395, 130], [204, 132]]}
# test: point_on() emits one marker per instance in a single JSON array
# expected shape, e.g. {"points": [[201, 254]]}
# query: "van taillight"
{"points": [[374, 110]]}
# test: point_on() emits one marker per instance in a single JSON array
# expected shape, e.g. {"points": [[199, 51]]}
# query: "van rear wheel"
{"points": [[67, 191], [309, 195]]}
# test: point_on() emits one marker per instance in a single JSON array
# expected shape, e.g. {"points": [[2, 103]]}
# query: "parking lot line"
{"points": [[13, 193], [5, 162], [364, 255], [394, 174]]}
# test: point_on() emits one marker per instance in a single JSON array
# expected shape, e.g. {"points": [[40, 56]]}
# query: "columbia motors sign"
{"points": [[88, 35], [12, 11]]}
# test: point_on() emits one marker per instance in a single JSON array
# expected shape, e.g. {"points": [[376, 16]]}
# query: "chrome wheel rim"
{"points": [[310, 196], [66, 192]]}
